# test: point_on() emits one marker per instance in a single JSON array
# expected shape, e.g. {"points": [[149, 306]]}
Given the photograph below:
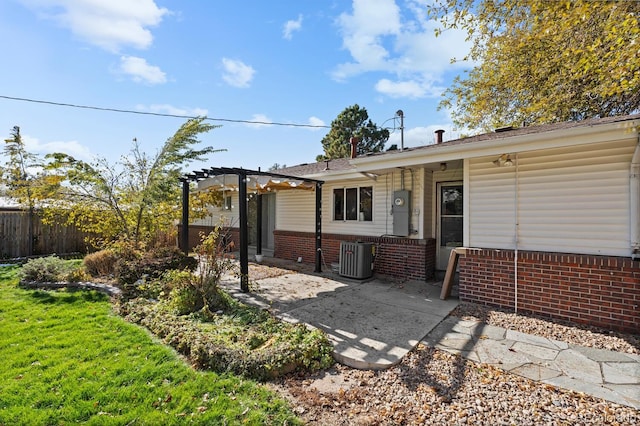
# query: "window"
{"points": [[451, 216], [353, 204], [227, 202]]}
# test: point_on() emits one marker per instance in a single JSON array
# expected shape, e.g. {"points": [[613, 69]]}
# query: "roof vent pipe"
{"points": [[634, 203], [439, 133], [354, 146]]}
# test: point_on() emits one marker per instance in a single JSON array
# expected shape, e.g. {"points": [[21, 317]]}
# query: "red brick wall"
{"points": [[398, 257], [597, 290], [195, 232]]}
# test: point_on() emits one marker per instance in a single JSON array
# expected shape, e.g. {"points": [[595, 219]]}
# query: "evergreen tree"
{"points": [[353, 121]]}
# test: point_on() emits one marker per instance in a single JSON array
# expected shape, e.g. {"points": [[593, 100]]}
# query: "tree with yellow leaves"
{"points": [[538, 61], [135, 199]]}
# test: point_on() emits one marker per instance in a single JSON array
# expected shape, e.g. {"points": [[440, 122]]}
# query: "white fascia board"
{"points": [[337, 175]]}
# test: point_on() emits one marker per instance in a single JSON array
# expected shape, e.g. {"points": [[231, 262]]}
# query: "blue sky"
{"points": [[285, 61]]}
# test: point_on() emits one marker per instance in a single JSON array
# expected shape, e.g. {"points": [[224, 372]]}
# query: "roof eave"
{"points": [[509, 143]]}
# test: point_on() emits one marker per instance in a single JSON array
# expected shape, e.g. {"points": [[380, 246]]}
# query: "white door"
{"points": [[450, 218], [268, 220]]}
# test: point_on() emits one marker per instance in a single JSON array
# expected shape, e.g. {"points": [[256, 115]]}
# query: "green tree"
{"points": [[135, 198], [277, 166], [540, 61], [23, 179], [353, 121]]}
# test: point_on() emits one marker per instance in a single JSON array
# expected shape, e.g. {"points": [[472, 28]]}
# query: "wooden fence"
{"points": [[47, 239]]}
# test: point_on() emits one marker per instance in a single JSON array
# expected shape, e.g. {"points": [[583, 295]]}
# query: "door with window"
{"points": [[450, 219], [268, 220]]}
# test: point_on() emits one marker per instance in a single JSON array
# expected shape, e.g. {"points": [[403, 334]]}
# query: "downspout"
{"points": [[516, 229], [634, 203]]}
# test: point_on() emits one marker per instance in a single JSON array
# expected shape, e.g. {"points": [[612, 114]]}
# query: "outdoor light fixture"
{"points": [[508, 161], [443, 167], [503, 160]]}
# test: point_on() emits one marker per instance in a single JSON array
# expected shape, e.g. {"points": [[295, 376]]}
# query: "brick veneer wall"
{"points": [[195, 232], [194, 235], [395, 256], [596, 290]]}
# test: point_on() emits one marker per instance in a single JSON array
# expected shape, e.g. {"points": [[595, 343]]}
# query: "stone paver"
{"points": [[604, 374], [578, 366], [623, 373]]}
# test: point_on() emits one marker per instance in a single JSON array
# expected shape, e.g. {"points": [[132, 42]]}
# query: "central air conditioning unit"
{"points": [[356, 259]]}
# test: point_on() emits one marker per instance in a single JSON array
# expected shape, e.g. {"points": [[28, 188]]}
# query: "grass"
{"points": [[67, 359]]}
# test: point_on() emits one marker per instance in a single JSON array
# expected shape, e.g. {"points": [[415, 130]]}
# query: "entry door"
{"points": [[450, 219], [268, 220]]}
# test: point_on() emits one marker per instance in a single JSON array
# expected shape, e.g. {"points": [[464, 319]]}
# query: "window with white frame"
{"points": [[227, 202], [353, 204]]}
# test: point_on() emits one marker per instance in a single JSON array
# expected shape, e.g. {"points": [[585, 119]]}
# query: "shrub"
{"points": [[101, 263], [180, 292], [213, 263], [76, 275], [261, 350], [137, 271], [152, 264], [45, 269]]}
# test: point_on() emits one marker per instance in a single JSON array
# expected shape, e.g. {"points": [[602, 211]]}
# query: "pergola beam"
{"points": [[243, 174]]}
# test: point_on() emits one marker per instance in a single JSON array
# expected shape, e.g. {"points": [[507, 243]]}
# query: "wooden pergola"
{"points": [[262, 182]]}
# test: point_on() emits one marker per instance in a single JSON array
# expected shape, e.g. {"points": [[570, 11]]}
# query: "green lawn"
{"points": [[67, 359]]}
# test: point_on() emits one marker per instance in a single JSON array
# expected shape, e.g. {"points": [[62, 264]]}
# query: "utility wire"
{"points": [[160, 114]]}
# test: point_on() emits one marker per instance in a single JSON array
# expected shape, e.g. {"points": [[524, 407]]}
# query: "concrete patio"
{"points": [[372, 323]]}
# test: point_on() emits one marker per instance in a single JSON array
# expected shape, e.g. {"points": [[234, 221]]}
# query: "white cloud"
{"points": [[363, 33], [315, 121], [423, 135], [173, 110], [140, 71], [411, 89], [72, 148], [380, 39], [237, 73], [291, 26], [110, 25], [259, 120]]}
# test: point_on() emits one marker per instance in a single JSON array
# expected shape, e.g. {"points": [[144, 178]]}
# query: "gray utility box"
{"points": [[356, 259], [401, 210]]}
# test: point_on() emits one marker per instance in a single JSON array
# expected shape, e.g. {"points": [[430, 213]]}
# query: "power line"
{"points": [[160, 114]]}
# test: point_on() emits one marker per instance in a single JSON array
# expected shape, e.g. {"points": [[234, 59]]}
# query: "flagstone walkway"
{"points": [[610, 375]]}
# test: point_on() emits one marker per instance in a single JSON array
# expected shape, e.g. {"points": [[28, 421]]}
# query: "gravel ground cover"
{"points": [[433, 387], [566, 332]]}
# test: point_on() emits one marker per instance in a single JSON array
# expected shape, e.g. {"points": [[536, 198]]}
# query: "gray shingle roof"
{"points": [[344, 163]]}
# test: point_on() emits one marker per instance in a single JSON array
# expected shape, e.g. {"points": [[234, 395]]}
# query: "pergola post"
{"points": [[244, 233], [318, 230], [259, 224], [243, 177], [185, 217]]}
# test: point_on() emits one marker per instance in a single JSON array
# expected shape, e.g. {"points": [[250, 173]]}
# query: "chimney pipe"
{"points": [[354, 146], [439, 136]]}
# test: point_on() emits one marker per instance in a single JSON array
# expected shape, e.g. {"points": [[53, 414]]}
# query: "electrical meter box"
{"points": [[401, 209]]}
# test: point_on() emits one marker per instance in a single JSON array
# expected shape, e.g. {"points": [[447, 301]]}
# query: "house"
{"points": [[548, 216]]}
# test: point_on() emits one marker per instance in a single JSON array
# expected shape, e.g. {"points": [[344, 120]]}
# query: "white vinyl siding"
{"points": [[218, 213], [428, 209], [296, 209], [350, 227], [571, 200]]}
